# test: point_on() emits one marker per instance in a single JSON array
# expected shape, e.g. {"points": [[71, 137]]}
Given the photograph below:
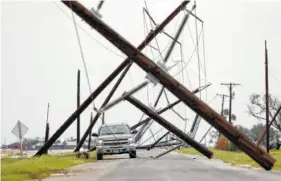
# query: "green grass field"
{"points": [[39, 167], [236, 158]]}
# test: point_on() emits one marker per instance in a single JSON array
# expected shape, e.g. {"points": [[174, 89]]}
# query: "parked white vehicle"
{"points": [[115, 139]]}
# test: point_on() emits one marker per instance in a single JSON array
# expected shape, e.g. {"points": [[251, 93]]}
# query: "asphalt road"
{"points": [[170, 167]]}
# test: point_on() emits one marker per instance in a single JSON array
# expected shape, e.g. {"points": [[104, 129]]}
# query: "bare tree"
{"points": [[256, 108]]}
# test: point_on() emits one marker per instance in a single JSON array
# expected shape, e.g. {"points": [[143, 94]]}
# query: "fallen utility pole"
{"points": [[150, 136], [153, 21], [159, 112], [82, 107], [93, 122], [104, 84], [266, 99], [143, 44], [124, 95], [196, 119], [169, 51], [160, 144], [168, 107], [157, 141], [222, 107], [170, 127], [78, 104], [264, 130], [230, 86], [175, 87], [168, 151], [205, 134], [146, 126]]}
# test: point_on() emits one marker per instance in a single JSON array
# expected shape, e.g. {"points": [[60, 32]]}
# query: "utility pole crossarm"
{"points": [[175, 87]]}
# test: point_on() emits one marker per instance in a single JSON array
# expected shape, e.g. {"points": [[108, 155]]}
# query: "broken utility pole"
{"points": [[165, 59], [78, 104], [94, 120], [230, 86], [266, 99], [147, 40], [104, 84], [157, 141], [82, 107], [146, 121], [168, 151], [159, 112], [222, 107], [175, 87], [170, 127]]}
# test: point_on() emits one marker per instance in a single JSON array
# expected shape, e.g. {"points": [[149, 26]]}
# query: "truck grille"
{"points": [[115, 142]]}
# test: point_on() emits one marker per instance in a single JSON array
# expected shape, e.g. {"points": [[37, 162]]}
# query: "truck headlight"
{"points": [[100, 143], [131, 140]]}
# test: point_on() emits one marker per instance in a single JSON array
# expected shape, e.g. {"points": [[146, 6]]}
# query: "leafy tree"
{"points": [[257, 108]]}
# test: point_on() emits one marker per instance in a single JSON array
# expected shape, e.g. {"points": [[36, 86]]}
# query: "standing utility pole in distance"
{"points": [[222, 103], [266, 99], [78, 104], [230, 86]]}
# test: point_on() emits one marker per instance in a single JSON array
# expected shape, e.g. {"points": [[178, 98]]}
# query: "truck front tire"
{"points": [[99, 156], [133, 154]]}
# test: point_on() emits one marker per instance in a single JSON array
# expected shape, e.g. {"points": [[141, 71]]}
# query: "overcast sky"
{"points": [[40, 58]]}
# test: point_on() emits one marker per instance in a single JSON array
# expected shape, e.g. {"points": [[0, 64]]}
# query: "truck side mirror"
{"points": [[95, 135], [134, 131]]}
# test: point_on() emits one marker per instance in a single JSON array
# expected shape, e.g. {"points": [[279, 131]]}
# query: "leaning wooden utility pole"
{"points": [[147, 40], [266, 99], [78, 104], [175, 87], [108, 80], [146, 126], [170, 127]]}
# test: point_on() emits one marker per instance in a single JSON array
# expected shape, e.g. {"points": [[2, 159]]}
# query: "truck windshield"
{"points": [[114, 129]]}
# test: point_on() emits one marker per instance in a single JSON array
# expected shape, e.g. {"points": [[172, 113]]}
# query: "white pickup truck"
{"points": [[115, 139]]}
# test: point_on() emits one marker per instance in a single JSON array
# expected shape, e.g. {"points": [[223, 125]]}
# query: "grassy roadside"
{"points": [[38, 168], [236, 158]]}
